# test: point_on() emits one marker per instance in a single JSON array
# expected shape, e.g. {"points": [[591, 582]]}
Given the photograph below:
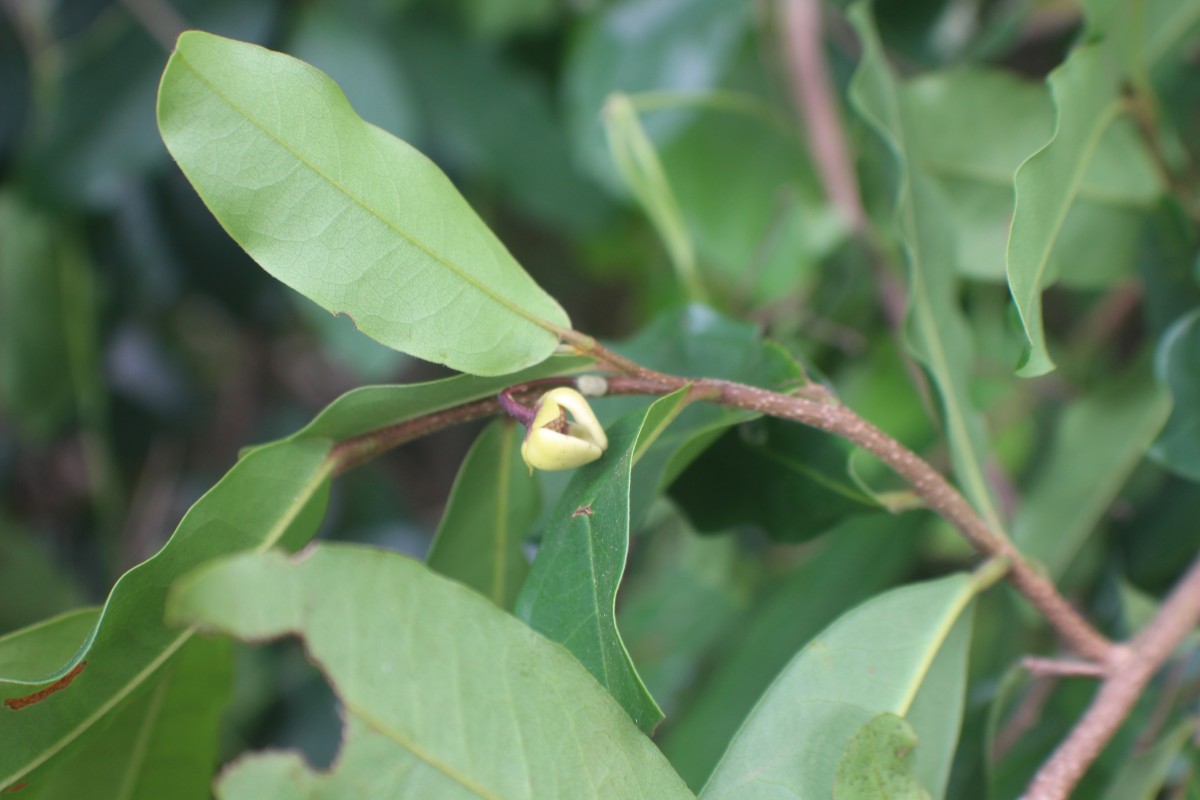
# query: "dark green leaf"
{"points": [[1178, 367], [571, 593], [1142, 776], [445, 695], [346, 214], [480, 541]]}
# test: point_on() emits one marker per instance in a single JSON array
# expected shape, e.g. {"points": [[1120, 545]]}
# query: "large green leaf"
{"points": [[972, 129], [571, 593], [1142, 776], [1086, 93], [1097, 443], [275, 495], [1141, 33], [480, 541], [445, 695], [876, 659], [876, 550], [161, 742], [346, 214], [1177, 364], [936, 328]]}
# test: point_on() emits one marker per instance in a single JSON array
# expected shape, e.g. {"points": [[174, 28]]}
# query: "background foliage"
{"points": [[141, 349]]}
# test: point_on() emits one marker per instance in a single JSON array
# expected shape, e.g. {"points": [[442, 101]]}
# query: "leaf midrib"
{"points": [[362, 204]]}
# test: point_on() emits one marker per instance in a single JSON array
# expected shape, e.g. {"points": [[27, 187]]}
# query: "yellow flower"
{"points": [[555, 442]]}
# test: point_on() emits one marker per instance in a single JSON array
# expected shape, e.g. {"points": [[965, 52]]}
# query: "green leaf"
{"points": [[641, 169], [1178, 449], [877, 764], [876, 550], [1142, 776], [873, 660], [972, 129], [780, 476], [161, 742], [571, 593], [444, 694], [936, 329], [349, 216], [45, 646], [1086, 94], [636, 46], [491, 510], [1097, 443], [275, 495], [1141, 33], [370, 408]]}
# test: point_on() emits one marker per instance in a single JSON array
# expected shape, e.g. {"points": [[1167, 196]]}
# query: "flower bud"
{"points": [[554, 442]]}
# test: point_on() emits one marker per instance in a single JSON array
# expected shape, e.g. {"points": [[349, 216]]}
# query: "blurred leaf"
{"points": [[161, 742], [641, 169], [381, 235], [646, 45], [936, 329], [274, 495], [786, 478], [1143, 775], [480, 541], [34, 586], [1086, 91], [760, 219], [490, 20], [874, 659], [1177, 365], [1138, 609], [1097, 443], [15, 87], [877, 763], [972, 129], [35, 377], [876, 551], [491, 119], [571, 593], [94, 130], [352, 49], [1141, 33], [401, 646], [679, 602]]}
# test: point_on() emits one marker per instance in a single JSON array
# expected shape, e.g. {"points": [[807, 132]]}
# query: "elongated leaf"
{"points": [[349, 216], [446, 696], [162, 742], [1085, 90], [1097, 444], [635, 46], [876, 550], [571, 593], [873, 660], [1141, 33], [492, 507], [1142, 776], [937, 331], [1176, 366], [877, 764], [275, 495]]}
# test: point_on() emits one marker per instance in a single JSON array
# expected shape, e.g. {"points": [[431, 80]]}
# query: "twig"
{"points": [[1131, 673], [1063, 667], [813, 95]]}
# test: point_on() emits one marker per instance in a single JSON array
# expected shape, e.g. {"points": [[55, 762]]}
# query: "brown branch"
{"points": [[1131, 672], [1064, 667], [813, 95]]}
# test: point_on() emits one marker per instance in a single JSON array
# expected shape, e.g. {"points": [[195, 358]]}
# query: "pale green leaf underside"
{"points": [[872, 660], [345, 213], [446, 695], [877, 764]]}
